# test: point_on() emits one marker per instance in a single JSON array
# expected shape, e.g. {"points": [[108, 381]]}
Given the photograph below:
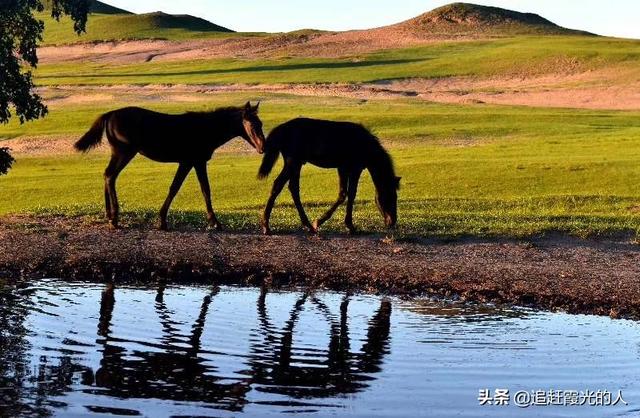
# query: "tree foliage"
{"points": [[6, 160], [20, 33]]}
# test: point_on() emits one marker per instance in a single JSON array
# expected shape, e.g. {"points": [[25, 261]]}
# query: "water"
{"points": [[88, 349]]}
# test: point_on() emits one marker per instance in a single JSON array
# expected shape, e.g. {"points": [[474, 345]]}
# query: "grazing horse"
{"points": [[188, 139], [347, 146]]}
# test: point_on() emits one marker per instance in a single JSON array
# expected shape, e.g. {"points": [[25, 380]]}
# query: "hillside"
{"points": [[157, 21], [472, 19], [108, 23], [456, 21], [96, 7], [107, 9]]}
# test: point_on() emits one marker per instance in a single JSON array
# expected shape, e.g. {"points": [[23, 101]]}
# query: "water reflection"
{"points": [[174, 368], [176, 373], [86, 349], [342, 371], [13, 351]]}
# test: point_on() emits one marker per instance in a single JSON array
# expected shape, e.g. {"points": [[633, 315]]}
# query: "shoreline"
{"points": [[590, 276]]}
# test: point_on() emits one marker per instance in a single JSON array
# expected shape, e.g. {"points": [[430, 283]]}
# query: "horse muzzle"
{"points": [[259, 146]]}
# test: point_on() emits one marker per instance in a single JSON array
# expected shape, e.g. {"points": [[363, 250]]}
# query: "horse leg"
{"points": [[352, 190], [107, 200], [342, 195], [118, 162], [294, 188], [277, 187], [203, 178], [181, 174]]}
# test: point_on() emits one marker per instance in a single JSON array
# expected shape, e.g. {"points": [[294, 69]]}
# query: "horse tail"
{"points": [[271, 153], [92, 138]]}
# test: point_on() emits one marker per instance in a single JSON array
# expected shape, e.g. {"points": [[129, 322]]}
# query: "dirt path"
{"points": [[601, 277], [616, 90]]}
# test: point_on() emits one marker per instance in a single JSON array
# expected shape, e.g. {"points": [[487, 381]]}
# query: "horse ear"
{"points": [[398, 182], [247, 107], [255, 108]]}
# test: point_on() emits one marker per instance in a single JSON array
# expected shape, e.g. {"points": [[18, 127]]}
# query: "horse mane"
{"points": [[221, 112], [223, 116], [381, 165]]}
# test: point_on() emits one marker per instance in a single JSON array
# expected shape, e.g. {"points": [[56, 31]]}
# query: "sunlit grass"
{"points": [[467, 170], [517, 56], [107, 27]]}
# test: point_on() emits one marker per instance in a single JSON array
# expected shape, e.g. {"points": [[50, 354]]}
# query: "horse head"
{"points": [[387, 200], [252, 127]]}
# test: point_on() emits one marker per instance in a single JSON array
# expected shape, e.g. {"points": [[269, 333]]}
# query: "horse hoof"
{"points": [[163, 227], [353, 231], [113, 226], [266, 231], [315, 227]]}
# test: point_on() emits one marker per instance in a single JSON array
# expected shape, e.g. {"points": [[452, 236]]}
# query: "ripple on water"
{"points": [[89, 349]]}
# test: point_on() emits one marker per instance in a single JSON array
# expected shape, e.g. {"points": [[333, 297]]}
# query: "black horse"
{"points": [[347, 146], [188, 139]]}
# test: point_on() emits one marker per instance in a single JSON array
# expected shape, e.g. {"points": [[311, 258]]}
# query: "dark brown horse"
{"points": [[188, 139], [347, 146]]}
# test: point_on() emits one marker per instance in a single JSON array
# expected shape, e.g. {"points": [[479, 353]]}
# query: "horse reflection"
{"points": [[173, 368], [176, 373], [343, 371]]}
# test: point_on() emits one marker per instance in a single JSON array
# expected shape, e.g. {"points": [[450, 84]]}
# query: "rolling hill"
{"points": [[458, 40], [108, 23], [96, 7], [454, 21], [472, 19]]}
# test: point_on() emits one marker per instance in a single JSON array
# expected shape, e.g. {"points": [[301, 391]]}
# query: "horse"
{"points": [[347, 146], [188, 139]]}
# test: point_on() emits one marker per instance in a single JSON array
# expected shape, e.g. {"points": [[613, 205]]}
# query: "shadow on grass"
{"points": [[417, 220], [259, 68]]}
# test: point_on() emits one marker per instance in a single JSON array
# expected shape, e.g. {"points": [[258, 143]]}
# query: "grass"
{"points": [[467, 170], [130, 26], [517, 56]]}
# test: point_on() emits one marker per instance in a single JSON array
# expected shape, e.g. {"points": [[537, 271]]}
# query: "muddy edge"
{"points": [[560, 273]]}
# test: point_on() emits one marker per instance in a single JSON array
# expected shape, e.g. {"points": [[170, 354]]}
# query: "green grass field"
{"points": [[516, 56], [467, 170], [476, 169]]}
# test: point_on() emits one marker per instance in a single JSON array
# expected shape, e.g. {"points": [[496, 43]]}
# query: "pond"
{"points": [[78, 349]]}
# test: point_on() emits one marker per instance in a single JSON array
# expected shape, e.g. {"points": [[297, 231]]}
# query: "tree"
{"points": [[6, 160], [20, 33]]}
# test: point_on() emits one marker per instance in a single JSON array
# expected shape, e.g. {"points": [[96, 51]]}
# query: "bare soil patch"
{"points": [[588, 276], [295, 44], [616, 88], [42, 145]]}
